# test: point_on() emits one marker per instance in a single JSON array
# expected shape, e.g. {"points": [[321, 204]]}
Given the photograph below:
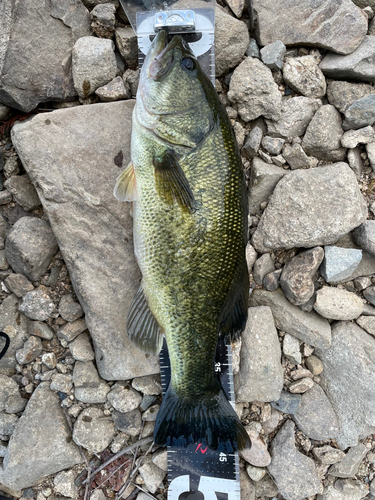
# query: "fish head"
{"points": [[174, 92]]}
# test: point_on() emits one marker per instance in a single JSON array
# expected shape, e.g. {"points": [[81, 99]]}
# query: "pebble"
{"points": [[263, 179], [5, 197], [151, 413], [271, 281], [342, 94], [64, 484], [71, 330], [328, 455], [37, 304], [103, 21], [18, 284], [339, 304], [123, 398], [302, 74], [348, 466], [300, 373], [151, 474], [257, 455], [255, 473], [31, 349], [314, 364], [355, 162], [113, 90], [301, 386], [148, 385], [344, 489], [253, 49], [8, 423], [291, 349], [273, 54], [287, 403], [262, 266], [352, 138], [252, 143], [23, 192], [364, 236], [81, 349], [93, 430], [8, 389], [85, 375], [295, 156], [367, 323], [362, 282], [130, 422], [61, 383], [360, 113], [69, 309], [3, 261], [273, 145], [49, 359], [339, 263], [40, 329], [92, 395]]}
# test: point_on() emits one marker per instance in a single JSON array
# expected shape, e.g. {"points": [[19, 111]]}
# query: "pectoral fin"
{"points": [[171, 181], [143, 329], [126, 185]]}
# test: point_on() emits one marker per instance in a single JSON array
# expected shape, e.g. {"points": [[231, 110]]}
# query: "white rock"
{"points": [[336, 303]]}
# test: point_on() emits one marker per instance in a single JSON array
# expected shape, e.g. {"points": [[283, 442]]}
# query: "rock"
{"points": [[302, 74], [294, 218], [315, 416], [103, 20], [344, 490], [151, 474], [347, 381], [272, 280], [8, 390], [5, 197], [23, 192], [364, 236], [160, 459], [265, 488], [18, 284], [262, 266], [360, 113], [323, 135], [337, 303], [252, 144], [348, 467], [113, 91], [308, 327], [287, 403], [61, 383], [7, 424], [273, 145], [49, 359], [367, 323], [357, 65], [295, 156], [94, 64], [31, 349], [147, 385], [231, 41], [301, 386], [296, 114], [339, 263], [341, 25], [263, 179], [130, 422], [50, 448], [81, 348], [85, 375], [292, 350], [261, 375], [273, 54], [328, 455], [352, 138], [92, 395], [36, 47], [64, 484], [30, 246], [3, 262], [257, 455], [370, 150], [355, 162], [253, 99], [126, 42], [70, 331], [93, 430], [69, 309], [362, 283], [255, 473], [293, 472], [37, 304], [343, 94], [253, 49], [297, 277], [123, 398], [104, 291], [131, 78], [5, 113], [314, 365]]}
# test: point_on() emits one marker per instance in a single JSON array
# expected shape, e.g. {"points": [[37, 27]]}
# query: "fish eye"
{"points": [[188, 63]]}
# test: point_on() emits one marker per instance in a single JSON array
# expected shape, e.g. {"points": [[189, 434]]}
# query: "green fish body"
{"points": [[189, 198]]}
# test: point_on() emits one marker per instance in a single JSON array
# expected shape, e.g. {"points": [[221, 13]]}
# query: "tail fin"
{"points": [[211, 421]]}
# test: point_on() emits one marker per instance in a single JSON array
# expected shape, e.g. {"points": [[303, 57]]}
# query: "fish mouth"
{"points": [[162, 55]]}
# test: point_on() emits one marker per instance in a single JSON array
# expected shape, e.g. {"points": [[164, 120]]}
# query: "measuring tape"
{"points": [[198, 472]]}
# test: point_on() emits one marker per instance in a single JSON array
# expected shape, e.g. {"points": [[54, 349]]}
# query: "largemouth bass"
{"points": [[187, 186]]}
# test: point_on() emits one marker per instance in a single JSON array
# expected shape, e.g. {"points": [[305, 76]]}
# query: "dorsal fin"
{"points": [[126, 185]]}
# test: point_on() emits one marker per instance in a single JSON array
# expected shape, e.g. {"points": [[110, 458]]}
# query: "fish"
{"points": [[189, 201]]}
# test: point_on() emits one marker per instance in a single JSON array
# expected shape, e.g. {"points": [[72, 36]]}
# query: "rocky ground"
{"points": [[297, 82]]}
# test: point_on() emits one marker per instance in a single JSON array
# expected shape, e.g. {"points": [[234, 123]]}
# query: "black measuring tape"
{"points": [[197, 472]]}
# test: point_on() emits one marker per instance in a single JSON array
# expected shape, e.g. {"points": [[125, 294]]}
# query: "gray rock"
{"points": [[347, 380], [93, 430], [315, 416], [81, 348], [348, 467], [126, 42], [64, 484], [251, 98], [130, 422], [272, 280], [147, 385], [293, 472], [3, 226], [355, 162], [352, 138], [255, 473], [294, 218], [273, 54], [36, 47], [344, 490], [339, 263], [360, 113], [113, 91], [297, 277], [358, 65], [236, 6], [261, 375], [151, 413], [296, 114], [262, 266], [253, 49], [369, 294], [151, 474], [69, 309], [30, 246], [231, 41], [23, 192], [302, 74], [61, 383], [328, 455], [273, 145], [73, 206], [50, 448], [5, 113], [49, 360], [341, 26], [314, 365], [252, 144], [103, 21], [7, 424], [160, 458], [18, 284], [308, 327], [123, 398], [337, 303], [301, 386], [364, 236], [370, 150], [93, 395], [295, 156], [5, 197], [265, 488], [71, 330], [368, 310], [292, 349], [85, 375], [8, 389], [323, 135], [31, 349], [3, 262], [37, 304], [362, 283], [131, 78], [263, 179], [257, 455], [343, 94], [94, 64]]}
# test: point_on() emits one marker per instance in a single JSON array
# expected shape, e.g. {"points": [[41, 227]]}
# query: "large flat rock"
{"points": [[73, 157]]}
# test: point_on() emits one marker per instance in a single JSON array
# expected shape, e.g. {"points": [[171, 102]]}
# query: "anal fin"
{"points": [[143, 329], [126, 187]]}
